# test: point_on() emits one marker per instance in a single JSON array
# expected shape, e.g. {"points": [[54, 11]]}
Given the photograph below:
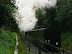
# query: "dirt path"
{"points": [[16, 49]]}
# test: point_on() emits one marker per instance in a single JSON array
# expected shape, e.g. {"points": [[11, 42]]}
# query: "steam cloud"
{"points": [[25, 15]]}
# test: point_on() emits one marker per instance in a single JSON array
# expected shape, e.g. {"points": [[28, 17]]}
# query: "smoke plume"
{"points": [[25, 15]]}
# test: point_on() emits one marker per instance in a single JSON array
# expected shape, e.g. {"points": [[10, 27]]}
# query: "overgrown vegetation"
{"points": [[8, 27], [59, 16], [22, 47], [66, 40], [7, 8], [7, 41]]}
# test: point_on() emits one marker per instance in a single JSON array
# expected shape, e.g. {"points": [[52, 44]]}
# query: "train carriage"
{"points": [[45, 37]]}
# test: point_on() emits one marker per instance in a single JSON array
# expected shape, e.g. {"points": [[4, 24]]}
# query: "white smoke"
{"points": [[25, 15]]}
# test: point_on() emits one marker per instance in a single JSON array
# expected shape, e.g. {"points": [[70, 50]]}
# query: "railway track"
{"points": [[33, 41]]}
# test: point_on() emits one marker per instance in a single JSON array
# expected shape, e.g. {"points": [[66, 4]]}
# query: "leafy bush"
{"points": [[66, 41], [7, 42]]}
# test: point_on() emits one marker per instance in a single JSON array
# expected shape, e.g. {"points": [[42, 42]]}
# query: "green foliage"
{"points": [[66, 40], [22, 47], [7, 42], [45, 17], [7, 8], [60, 16], [64, 15]]}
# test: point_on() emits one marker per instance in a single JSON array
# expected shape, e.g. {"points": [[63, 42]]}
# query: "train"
{"points": [[49, 38]]}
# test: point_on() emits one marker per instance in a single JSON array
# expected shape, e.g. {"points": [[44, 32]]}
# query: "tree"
{"points": [[7, 8], [64, 15], [60, 16], [45, 17]]}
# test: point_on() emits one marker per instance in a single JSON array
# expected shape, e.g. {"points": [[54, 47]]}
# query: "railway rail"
{"points": [[34, 42]]}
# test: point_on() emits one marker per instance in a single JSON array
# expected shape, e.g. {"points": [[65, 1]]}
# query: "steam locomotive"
{"points": [[49, 38]]}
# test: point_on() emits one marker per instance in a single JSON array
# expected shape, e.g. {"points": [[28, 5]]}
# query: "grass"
{"points": [[7, 42], [22, 47], [66, 40]]}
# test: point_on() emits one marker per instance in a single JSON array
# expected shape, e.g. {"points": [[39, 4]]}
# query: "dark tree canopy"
{"points": [[64, 15], [45, 17], [60, 16], [7, 20]]}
